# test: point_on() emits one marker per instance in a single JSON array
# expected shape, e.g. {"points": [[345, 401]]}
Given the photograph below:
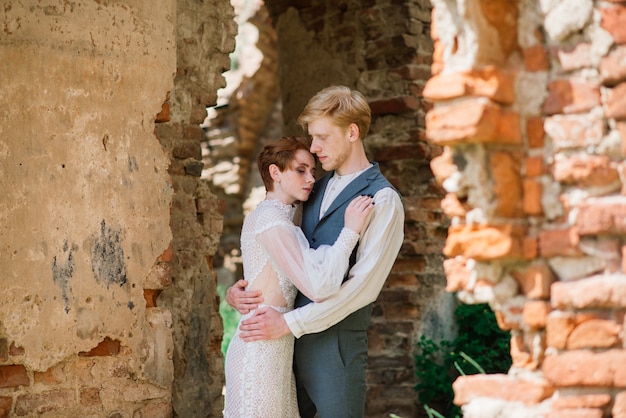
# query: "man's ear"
{"points": [[274, 173], [353, 131]]}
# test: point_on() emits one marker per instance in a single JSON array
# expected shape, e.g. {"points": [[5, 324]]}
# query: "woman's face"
{"points": [[296, 181]]}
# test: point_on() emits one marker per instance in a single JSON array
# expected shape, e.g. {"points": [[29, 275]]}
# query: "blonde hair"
{"points": [[343, 105]]}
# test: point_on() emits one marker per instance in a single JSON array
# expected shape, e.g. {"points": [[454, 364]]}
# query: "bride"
{"points": [[278, 261]]}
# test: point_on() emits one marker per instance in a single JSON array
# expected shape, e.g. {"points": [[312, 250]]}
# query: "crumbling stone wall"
{"points": [[108, 232], [205, 37], [85, 208], [528, 104], [246, 117]]}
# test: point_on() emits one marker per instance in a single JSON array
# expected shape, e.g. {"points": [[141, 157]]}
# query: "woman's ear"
{"points": [[274, 173]]}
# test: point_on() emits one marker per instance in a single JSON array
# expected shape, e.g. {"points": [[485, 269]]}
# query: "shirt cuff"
{"points": [[293, 322]]}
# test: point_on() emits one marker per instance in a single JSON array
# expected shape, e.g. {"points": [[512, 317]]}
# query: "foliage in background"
{"points": [[230, 317], [480, 347]]}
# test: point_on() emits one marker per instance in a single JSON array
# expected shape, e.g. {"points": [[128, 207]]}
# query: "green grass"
{"points": [[230, 318]]}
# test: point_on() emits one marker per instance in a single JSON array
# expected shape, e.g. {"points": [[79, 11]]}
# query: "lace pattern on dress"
{"points": [[259, 375], [269, 213]]}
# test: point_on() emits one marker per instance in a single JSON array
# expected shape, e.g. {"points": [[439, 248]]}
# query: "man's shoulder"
{"points": [[388, 195], [374, 174], [379, 182]]}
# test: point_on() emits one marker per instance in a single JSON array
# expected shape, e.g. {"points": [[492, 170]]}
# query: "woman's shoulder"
{"points": [[270, 212]]}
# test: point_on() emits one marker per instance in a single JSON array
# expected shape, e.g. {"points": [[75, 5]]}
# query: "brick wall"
{"points": [[528, 107], [204, 38], [246, 117], [383, 49]]}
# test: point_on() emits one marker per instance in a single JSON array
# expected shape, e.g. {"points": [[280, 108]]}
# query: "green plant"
{"points": [[432, 413], [480, 347], [230, 318], [432, 368]]}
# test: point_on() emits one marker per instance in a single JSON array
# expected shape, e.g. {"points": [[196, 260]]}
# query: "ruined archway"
{"points": [[368, 47]]}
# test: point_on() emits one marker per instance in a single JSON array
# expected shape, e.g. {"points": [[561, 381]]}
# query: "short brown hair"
{"points": [[343, 105], [281, 152]]}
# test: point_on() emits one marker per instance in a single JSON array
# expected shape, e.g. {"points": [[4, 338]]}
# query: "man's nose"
{"points": [[314, 147]]}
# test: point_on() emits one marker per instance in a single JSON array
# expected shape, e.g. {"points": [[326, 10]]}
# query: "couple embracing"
{"points": [[316, 281]]}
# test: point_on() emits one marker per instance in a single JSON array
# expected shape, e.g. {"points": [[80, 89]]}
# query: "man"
{"points": [[330, 353]]}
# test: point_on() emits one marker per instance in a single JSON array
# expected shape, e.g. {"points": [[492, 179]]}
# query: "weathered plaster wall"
{"points": [[85, 206]]}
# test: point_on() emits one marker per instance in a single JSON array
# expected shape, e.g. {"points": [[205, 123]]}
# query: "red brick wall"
{"points": [[530, 114]]}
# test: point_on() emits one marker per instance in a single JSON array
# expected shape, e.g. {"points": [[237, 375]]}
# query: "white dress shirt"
{"points": [[377, 252], [335, 185]]}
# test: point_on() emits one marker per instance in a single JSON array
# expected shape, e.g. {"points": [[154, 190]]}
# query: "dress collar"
{"points": [[278, 204]]}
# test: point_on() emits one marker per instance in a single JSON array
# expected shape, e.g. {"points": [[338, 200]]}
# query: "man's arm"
{"points": [[241, 299], [265, 324], [376, 255]]}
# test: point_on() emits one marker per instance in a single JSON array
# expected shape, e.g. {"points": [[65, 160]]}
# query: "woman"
{"points": [[278, 261]]}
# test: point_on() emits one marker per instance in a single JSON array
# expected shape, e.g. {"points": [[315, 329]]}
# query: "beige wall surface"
{"points": [[85, 203]]}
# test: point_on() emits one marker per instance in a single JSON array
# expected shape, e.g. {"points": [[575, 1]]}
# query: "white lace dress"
{"points": [[276, 255]]}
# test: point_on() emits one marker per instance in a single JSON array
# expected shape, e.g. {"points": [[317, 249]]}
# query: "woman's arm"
{"points": [[377, 252], [379, 247], [318, 273]]}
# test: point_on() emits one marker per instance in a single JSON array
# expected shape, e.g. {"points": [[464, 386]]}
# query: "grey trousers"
{"points": [[330, 373]]}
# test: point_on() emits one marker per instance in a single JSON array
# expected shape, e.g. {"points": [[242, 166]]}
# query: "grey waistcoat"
{"points": [[327, 229]]}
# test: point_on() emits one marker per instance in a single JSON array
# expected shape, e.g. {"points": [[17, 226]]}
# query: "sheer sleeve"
{"points": [[378, 249], [318, 273]]}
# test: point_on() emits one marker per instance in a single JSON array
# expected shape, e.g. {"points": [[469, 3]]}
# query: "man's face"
{"points": [[329, 142]]}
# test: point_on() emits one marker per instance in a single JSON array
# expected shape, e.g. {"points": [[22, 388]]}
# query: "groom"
{"points": [[330, 352]]}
